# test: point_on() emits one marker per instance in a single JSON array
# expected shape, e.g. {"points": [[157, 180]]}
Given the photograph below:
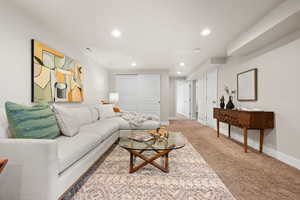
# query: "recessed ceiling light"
{"points": [[205, 32], [197, 50], [116, 33], [178, 73], [181, 64], [133, 64]]}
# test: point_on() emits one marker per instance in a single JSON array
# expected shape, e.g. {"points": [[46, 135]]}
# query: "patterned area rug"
{"points": [[190, 178]]}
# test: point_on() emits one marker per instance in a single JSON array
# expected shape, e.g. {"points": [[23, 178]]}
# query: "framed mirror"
{"points": [[247, 85]]}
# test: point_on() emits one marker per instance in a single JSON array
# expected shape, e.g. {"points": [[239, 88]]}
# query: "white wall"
{"points": [[278, 91], [172, 98], [164, 87], [17, 29]]}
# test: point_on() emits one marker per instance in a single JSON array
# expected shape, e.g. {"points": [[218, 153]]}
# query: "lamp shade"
{"points": [[114, 97]]}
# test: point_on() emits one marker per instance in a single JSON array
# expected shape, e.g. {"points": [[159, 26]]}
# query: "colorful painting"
{"points": [[55, 77]]}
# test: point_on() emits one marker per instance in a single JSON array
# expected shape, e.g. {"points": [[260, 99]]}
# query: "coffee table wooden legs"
{"points": [[164, 154]]}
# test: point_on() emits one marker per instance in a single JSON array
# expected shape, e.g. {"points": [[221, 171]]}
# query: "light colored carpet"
{"points": [[190, 178], [249, 176]]}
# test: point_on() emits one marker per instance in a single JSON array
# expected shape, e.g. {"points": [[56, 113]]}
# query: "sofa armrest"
{"points": [[32, 169]]}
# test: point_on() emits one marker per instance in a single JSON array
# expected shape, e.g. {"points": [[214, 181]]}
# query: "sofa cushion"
{"points": [[71, 149], [4, 131], [68, 122], [125, 125], [36, 122], [95, 113], [84, 114], [106, 111], [102, 127]]}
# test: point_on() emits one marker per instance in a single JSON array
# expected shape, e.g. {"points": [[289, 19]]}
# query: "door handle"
{"points": [[214, 101]]}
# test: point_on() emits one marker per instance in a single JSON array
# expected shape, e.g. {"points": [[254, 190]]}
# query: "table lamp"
{"points": [[114, 98]]}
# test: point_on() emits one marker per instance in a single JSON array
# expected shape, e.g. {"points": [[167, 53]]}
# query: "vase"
{"points": [[230, 104], [222, 104]]}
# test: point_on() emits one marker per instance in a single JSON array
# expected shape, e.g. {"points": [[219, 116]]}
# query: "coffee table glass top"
{"points": [[175, 140]]}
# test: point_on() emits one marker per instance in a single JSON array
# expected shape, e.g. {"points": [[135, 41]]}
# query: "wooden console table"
{"points": [[247, 120], [2, 164]]}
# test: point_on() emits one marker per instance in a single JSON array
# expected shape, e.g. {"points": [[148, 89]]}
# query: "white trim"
{"points": [[294, 162], [164, 123], [203, 122], [183, 115], [172, 118]]}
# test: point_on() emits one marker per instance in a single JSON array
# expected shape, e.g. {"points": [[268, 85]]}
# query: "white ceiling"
{"points": [[156, 34]]}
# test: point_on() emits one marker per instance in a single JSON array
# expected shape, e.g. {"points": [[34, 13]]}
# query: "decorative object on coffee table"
{"points": [[222, 102], [160, 147], [3, 162], [160, 133]]}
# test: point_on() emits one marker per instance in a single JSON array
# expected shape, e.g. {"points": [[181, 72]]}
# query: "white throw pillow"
{"points": [[68, 122], [95, 113], [106, 111], [4, 130], [83, 114]]}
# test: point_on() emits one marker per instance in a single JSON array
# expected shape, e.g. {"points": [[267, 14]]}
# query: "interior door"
{"points": [[183, 97], [127, 87], [202, 106], [149, 93], [139, 93], [187, 99], [211, 95]]}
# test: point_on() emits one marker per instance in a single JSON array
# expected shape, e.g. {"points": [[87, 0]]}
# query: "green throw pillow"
{"points": [[37, 122]]}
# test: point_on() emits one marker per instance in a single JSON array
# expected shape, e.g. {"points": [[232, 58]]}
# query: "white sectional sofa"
{"points": [[40, 169]]}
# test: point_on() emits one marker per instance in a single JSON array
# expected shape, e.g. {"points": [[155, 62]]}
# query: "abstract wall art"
{"points": [[55, 76]]}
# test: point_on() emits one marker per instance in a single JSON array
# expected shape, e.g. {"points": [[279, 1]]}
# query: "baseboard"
{"points": [[164, 123], [183, 115], [201, 121], [294, 162], [172, 118]]}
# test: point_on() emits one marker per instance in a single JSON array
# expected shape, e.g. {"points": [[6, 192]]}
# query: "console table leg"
{"points": [[261, 141], [229, 127], [245, 140], [218, 128]]}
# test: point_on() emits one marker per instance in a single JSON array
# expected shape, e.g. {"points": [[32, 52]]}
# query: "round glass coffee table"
{"points": [[161, 148]]}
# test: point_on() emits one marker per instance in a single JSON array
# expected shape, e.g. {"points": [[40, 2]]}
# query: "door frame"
{"points": [[209, 110], [202, 97]]}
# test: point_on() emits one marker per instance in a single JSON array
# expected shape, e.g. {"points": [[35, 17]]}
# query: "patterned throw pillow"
{"points": [[36, 122]]}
